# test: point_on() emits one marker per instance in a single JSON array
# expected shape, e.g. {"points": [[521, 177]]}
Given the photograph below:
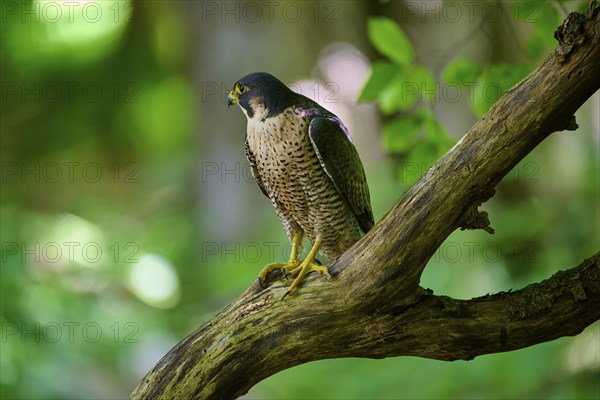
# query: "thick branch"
{"points": [[374, 306], [258, 335]]}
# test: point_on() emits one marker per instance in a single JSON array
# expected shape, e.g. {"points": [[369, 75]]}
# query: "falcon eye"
{"points": [[242, 89]]}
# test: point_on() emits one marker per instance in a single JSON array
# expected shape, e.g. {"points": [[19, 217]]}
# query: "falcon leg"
{"points": [[292, 263], [305, 267]]}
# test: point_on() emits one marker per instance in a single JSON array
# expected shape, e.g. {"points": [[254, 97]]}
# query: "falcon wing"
{"points": [[255, 173], [340, 160]]}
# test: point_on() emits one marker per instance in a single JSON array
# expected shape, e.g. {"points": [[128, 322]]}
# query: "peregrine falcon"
{"points": [[303, 160]]}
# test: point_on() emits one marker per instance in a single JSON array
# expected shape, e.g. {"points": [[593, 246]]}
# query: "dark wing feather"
{"points": [[255, 173], [341, 162]]}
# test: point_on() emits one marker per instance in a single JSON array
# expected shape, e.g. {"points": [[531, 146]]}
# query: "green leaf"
{"points": [[382, 73], [401, 134], [461, 72], [418, 78], [387, 37], [402, 93], [391, 97]]}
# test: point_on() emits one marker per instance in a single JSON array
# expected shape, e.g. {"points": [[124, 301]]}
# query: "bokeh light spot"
{"points": [[154, 281]]}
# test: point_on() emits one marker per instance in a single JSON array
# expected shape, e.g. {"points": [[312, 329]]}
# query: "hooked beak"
{"points": [[232, 99]]}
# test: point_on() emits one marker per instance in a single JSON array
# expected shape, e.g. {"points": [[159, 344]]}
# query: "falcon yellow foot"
{"points": [[294, 267], [291, 265], [306, 266]]}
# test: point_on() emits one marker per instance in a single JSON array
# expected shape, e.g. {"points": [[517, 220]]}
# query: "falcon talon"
{"points": [[260, 282], [289, 137]]}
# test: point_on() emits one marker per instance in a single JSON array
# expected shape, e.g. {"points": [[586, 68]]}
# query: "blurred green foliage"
{"points": [[97, 121], [397, 86], [104, 232]]}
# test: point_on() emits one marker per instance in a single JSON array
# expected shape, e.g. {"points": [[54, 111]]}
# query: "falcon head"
{"points": [[261, 94]]}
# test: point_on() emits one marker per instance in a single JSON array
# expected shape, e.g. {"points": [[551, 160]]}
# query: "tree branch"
{"points": [[374, 306]]}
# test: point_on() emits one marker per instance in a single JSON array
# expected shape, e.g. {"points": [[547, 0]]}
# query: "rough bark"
{"points": [[374, 306]]}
